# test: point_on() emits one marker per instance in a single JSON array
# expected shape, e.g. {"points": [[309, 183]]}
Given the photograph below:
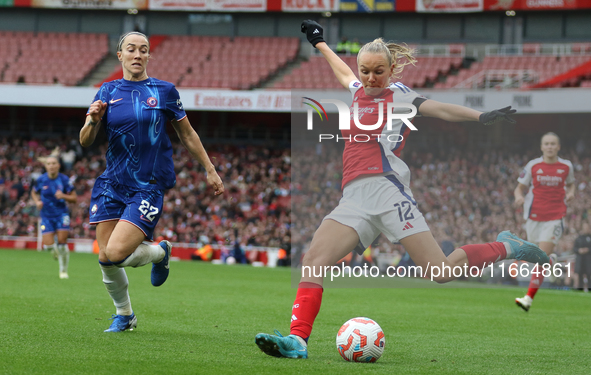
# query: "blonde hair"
{"points": [[54, 154], [551, 133], [397, 54]]}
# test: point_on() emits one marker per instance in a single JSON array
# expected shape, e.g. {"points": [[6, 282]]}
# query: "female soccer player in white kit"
{"points": [[549, 183], [376, 194]]}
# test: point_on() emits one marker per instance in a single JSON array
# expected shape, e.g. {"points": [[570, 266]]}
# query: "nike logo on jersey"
{"points": [[316, 31], [378, 100], [560, 171], [540, 171], [115, 101]]}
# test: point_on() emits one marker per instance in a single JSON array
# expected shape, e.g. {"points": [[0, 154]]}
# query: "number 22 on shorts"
{"points": [[148, 211]]}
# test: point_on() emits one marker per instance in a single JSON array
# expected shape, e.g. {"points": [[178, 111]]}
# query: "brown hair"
{"points": [[395, 53], [120, 44]]}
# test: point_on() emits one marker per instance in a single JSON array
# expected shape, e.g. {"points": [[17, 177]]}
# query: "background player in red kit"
{"points": [[549, 181], [376, 194]]}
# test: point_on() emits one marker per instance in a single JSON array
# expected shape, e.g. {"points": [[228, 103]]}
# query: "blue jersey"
{"points": [[140, 153], [46, 188]]}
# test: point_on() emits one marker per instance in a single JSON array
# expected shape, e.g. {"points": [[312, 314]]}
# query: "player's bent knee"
{"points": [[115, 254]]}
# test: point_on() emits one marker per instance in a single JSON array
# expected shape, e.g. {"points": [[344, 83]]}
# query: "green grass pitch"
{"points": [[204, 319]]}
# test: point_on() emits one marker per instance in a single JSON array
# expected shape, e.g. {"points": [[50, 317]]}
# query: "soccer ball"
{"points": [[361, 340]]}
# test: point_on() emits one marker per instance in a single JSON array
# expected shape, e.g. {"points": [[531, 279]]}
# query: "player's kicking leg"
{"points": [[277, 345], [323, 251]]}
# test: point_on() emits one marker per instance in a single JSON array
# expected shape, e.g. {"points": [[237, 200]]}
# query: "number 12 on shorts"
{"points": [[406, 206], [148, 211]]}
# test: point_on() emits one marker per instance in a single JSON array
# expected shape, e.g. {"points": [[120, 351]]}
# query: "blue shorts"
{"points": [[111, 201], [52, 224]]}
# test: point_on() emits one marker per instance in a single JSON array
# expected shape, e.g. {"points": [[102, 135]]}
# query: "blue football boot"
{"points": [[280, 346]]}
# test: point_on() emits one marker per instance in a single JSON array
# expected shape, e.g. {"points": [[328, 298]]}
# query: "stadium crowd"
{"points": [[466, 196], [256, 201]]}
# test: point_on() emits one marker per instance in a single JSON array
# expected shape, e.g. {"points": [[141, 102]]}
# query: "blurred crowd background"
{"points": [[465, 196], [256, 202]]}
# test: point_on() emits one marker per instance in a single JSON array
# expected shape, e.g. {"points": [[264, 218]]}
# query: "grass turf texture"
{"points": [[204, 319]]}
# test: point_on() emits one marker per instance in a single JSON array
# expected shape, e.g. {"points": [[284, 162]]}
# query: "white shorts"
{"points": [[544, 231], [379, 204]]}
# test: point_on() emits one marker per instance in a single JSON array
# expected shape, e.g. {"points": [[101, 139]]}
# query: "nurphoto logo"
{"points": [[355, 113]]}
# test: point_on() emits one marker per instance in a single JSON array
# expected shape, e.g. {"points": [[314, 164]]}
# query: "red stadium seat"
{"points": [[581, 48], [531, 48]]}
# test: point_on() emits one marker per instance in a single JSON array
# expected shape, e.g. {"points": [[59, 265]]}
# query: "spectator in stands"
{"points": [[52, 193], [355, 46], [237, 251], [284, 257], [582, 249], [375, 182], [549, 182], [68, 159], [127, 199], [344, 46]]}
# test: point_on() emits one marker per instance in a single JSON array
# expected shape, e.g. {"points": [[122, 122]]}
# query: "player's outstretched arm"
{"points": [[93, 123], [458, 113], [314, 34], [192, 143]]}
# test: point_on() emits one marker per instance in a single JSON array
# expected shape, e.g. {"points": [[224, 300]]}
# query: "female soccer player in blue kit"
{"points": [[51, 193], [127, 198]]}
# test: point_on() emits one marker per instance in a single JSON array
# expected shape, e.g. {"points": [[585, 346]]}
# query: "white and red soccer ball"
{"points": [[361, 340]]}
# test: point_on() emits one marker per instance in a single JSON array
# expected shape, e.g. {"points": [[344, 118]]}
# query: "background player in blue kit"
{"points": [[127, 198], [51, 193]]}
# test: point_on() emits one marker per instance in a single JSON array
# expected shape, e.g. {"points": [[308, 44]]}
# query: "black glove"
{"points": [[313, 32], [492, 117]]}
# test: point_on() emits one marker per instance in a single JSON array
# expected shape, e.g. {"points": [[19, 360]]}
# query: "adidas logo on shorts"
{"points": [[407, 226]]}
